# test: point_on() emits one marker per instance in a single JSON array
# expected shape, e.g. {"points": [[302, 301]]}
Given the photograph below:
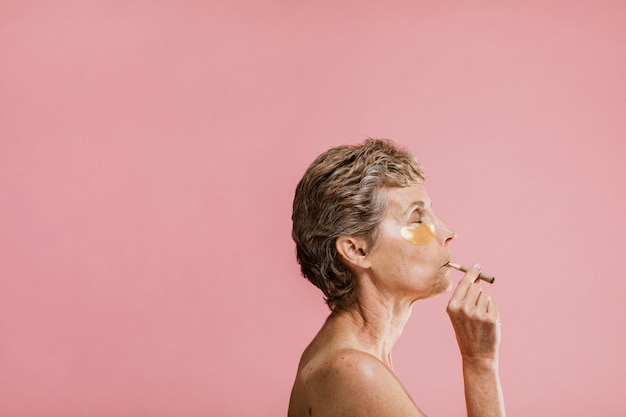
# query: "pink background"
{"points": [[148, 155]]}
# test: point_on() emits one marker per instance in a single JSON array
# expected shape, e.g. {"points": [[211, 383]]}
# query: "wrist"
{"points": [[481, 363]]}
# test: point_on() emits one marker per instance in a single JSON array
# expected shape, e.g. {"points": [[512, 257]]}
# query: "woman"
{"points": [[367, 236]]}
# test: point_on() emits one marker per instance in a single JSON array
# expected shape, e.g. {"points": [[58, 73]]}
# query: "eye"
{"points": [[420, 216], [416, 217]]}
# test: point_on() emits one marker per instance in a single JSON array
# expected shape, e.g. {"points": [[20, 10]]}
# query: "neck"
{"points": [[378, 322]]}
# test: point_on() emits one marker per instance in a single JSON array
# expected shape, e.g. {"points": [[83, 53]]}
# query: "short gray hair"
{"points": [[339, 195]]}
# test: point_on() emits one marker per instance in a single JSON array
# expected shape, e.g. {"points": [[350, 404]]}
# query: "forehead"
{"points": [[402, 200]]}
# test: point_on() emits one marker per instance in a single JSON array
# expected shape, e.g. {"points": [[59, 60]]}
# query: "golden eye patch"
{"points": [[419, 234]]}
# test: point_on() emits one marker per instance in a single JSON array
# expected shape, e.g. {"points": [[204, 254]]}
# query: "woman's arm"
{"points": [[476, 322]]}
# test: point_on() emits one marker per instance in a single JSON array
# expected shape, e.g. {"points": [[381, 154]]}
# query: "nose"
{"points": [[447, 232]]}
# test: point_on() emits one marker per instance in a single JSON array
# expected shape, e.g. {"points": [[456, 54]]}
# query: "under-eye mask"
{"points": [[420, 234]]}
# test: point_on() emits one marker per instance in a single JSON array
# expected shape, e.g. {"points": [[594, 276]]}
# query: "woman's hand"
{"points": [[475, 318]]}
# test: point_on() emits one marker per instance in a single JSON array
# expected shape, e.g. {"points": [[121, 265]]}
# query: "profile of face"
{"points": [[412, 251]]}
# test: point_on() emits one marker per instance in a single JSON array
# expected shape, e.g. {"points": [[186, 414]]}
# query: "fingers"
{"points": [[477, 304], [469, 298], [483, 302], [466, 285], [475, 318]]}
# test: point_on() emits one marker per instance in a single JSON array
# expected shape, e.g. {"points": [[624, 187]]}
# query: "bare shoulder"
{"points": [[350, 382]]}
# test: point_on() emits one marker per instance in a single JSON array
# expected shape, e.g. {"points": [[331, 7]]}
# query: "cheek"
{"points": [[395, 255]]}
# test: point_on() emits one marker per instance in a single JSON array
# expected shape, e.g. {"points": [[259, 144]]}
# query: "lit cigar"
{"points": [[482, 276]]}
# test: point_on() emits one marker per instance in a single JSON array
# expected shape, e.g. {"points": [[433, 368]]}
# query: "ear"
{"points": [[353, 251]]}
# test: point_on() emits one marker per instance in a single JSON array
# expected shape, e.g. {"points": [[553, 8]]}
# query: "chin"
{"points": [[441, 286], [439, 283], [444, 285]]}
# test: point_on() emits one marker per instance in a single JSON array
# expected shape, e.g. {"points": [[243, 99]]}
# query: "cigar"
{"points": [[484, 277]]}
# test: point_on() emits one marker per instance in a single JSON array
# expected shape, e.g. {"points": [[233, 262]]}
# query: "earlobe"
{"points": [[353, 251]]}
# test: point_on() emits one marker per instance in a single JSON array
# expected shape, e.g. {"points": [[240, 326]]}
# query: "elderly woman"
{"points": [[366, 235]]}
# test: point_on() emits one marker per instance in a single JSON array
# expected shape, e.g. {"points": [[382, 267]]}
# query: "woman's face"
{"points": [[408, 269]]}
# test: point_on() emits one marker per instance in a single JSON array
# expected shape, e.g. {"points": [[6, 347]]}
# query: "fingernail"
{"points": [[476, 266]]}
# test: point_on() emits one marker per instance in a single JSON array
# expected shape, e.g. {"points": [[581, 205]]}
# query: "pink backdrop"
{"points": [[148, 155]]}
